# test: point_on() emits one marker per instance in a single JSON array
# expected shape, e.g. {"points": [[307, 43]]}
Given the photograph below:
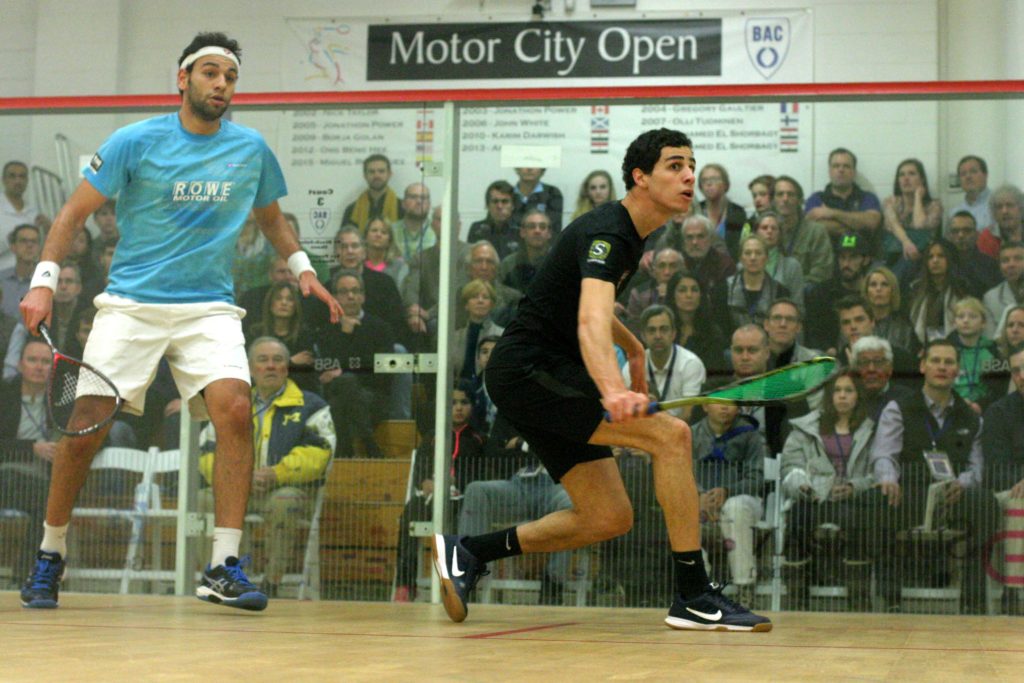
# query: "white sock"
{"points": [[225, 544], [55, 539]]}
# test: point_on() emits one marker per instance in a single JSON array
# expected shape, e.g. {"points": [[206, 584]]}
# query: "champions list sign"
{"points": [[739, 48]]}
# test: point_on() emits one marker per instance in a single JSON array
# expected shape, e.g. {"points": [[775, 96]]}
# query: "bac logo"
{"points": [[320, 218], [767, 44]]}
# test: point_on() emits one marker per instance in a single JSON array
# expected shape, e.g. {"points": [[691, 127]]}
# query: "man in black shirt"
{"points": [[554, 375]]}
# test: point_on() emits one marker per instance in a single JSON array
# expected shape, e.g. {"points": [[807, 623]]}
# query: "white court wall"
{"points": [[54, 47]]}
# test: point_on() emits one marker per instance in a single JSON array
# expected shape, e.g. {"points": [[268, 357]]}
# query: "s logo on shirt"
{"points": [[598, 252]]}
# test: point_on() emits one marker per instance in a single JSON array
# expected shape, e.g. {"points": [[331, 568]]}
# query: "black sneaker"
{"points": [[712, 611], [226, 584], [42, 587], [459, 572]]}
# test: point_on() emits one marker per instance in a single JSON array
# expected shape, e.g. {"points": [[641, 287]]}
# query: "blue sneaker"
{"points": [[459, 571], [43, 586], [712, 611], [226, 584]]}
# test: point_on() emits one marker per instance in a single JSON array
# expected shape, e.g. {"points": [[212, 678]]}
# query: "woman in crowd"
{"points": [[697, 330], [825, 470], [761, 190], [81, 255], [911, 217], [747, 295], [1009, 341], [382, 254], [784, 269], [478, 299], [282, 318], [933, 294], [597, 189], [727, 217], [881, 290]]}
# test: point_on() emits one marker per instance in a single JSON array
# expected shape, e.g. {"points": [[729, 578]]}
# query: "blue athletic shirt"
{"points": [[183, 199]]}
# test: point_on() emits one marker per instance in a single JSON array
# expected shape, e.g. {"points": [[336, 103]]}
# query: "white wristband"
{"points": [[299, 263], [46, 275]]}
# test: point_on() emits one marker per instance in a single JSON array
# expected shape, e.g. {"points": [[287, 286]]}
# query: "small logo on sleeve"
{"points": [[96, 163], [599, 250]]}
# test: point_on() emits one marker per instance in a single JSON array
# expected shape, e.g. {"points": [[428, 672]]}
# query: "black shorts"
{"points": [[551, 400]]}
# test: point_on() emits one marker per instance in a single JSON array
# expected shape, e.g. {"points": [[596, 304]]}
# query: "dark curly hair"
{"points": [[207, 39], [644, 152]]}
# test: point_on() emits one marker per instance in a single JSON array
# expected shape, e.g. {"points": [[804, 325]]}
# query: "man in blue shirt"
{"points": [[843, 206], [185, 184]]}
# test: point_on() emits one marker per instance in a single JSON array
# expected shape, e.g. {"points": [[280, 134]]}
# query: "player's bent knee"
{"points": [[614, 524]]}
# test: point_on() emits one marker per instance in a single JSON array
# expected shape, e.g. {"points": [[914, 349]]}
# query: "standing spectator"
{"points": [[912, 218], [973, 174], [517, 269], [382, 255], [784, 269], [762, 190], [728, 218], [531, 193], [497, 227], [881, 290], [597, 189], [15, 210], [1009, 292], [804, 239], [411, 234], [933, 294], [294, 440], [1007, 206], [843, 206], [378, 200], [979, 271], [672, 371], [422, 284], [977, 355], [747, 295], [14, 281], [697, 332], [706, 260]]}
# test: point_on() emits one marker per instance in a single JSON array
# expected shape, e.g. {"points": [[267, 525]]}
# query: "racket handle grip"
{"points": [[652, 408]]}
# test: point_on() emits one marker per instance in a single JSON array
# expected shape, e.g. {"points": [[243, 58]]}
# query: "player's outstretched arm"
{"points": [[280, 234], [35, 306]]}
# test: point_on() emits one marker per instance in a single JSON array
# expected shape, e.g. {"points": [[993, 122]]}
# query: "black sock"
{"points": [[493, 546], [691, 579]]}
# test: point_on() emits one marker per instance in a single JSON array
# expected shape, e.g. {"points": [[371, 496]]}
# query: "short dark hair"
{"points": [[653, 311], [493, 338], [375, 157], [644, 152], [13, 162], [502, 186], [792, 181], [1010, 245], [972, 157], [210, 39], [346, 272], [941, 341], [964, 213], [853, 301], [842, 150], [13, 234], [788, 302], [32, 340]]}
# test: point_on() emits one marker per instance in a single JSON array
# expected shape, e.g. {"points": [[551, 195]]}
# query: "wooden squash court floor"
{"points": [[144, 638]]}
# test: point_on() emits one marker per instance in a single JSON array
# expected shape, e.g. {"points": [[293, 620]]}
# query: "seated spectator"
{"points": [[979, 271], [843, 206], [972, 172], [411, 235], [872, 359], [382, 255], [783, 325], [933, 294], [784, 269], [24, 243], [81, 255], [463, 465], [517, 269], [1002, 447], [7, 325], [977, 356], [378, 200], [804, 239], [728, 465], [421, 286], [911, 218], [27, 445], [746, 296], [253, 299], [358, 396], [934, 420], [1007, 207], [1011, 338], [281, 318], [672, 371], [531, 193], [690, 304], [727, 217], [483, 265], [597, 189], [707, 261], [667, 262], [105, 219], [484, 410], [253, 254], [478, 301], [294, 440], [66, 302], [852, 263], [1009, 292], [15, 209], [881, 291], [761, 189], [498, 226], [825, 469], [855, 322]]}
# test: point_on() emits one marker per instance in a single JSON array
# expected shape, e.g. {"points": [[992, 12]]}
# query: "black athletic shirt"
{"points": [[601, 244]]}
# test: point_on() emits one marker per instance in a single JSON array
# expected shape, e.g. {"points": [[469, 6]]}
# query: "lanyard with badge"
{"points": [[662, 393], [936, 459]]}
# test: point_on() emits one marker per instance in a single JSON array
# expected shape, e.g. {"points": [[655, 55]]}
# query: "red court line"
{"points": [[495, 634]]}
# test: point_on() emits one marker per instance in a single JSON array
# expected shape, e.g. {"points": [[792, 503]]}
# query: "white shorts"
{"points": [[203, 342]]}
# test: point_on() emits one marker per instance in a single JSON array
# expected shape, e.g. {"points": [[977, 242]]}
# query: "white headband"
{"points": [[210, 50]]}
